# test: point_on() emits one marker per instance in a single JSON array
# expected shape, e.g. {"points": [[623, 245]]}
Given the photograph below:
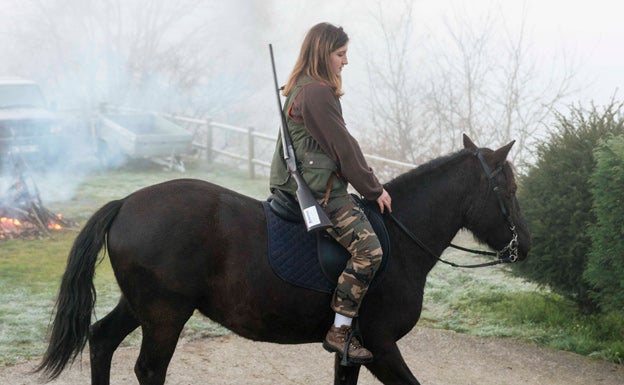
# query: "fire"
{"points": [[9, 226], [55, 225], [14, 227], [22, 214], [10, 222]]}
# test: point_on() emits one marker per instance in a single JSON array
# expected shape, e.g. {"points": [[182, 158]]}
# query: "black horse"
{"points": [[188, 244]]}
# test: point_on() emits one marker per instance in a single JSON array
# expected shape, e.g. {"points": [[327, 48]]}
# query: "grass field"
{"points": [[485, 302]]}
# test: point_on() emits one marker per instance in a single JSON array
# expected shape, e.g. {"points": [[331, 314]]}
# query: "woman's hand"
{"points": [[384, 201]]}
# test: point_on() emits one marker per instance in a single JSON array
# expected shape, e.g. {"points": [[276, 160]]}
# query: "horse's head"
{"points": [[493, 215]]}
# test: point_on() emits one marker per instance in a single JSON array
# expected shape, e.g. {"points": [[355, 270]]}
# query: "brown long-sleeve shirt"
{"points": [[318, 108]]}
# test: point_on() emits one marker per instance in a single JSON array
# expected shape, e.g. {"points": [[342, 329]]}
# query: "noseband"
{"points": [[507, 254]]}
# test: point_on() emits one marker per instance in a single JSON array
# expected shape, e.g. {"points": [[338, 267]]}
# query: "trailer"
{"points": [[142, 135]]}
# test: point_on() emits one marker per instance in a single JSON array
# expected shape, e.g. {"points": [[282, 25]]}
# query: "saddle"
{"points": [[312, 260]]}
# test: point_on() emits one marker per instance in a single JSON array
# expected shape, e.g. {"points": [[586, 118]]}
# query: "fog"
{"points": [[424, 59]]}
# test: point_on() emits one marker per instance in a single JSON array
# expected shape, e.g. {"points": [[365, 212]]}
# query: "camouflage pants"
{"points": [[355, 233]]}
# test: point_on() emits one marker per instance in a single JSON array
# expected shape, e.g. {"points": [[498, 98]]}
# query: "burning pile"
{"points": [[22, 215]]}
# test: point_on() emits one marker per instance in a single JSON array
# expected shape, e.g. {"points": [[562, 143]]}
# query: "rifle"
{"points": [[314, 216]]}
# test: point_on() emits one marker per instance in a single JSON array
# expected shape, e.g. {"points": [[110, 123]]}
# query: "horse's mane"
{"points": [[441, 164], [433, 166]]}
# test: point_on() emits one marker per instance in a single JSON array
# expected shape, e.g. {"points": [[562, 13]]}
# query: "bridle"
{"points": [[507, 254]]}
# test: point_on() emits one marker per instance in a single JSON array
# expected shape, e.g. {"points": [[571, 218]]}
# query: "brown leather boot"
{"points": [[335, 342]]}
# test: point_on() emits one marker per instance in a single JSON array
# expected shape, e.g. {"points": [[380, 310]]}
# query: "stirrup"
{"points": [[355, 332]]}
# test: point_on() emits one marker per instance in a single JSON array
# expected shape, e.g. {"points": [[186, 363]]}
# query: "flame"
{"points": [[10, 227], [32, 219], [9, 223], [54, 226]]}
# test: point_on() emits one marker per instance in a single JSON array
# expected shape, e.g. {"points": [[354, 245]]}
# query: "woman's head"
{"points": [[322, 56]]}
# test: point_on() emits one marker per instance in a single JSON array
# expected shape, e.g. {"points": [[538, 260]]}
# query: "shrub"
{"points": [[605, 265], [557, 201]]}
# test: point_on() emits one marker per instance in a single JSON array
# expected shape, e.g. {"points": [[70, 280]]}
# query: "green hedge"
{"points": [[556, 198], [605, 266]]}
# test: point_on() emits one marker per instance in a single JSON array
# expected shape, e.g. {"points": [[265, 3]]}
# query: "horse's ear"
{"points": [[499, 156], [468, 144]]}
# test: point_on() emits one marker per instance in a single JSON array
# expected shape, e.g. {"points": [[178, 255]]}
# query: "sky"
{"points": [[591, 30], [589, 33]]}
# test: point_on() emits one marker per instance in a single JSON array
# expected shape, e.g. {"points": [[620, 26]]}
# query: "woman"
{"points": [[330, 158]]}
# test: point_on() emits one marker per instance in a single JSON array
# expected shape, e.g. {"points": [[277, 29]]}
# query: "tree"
{"points": [[478, 81], [489, 84], [394, 97], [557, 201], [605, 265]]}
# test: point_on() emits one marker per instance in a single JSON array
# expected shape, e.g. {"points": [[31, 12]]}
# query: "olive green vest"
{"points": [[316, 168]]}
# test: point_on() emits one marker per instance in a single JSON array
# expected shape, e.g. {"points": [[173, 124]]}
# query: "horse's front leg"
{"points": [[345, 375], [390, 368]]}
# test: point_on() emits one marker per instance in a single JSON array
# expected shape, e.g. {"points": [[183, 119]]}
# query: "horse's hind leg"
{"points": [[161, 331], [105, 336]]}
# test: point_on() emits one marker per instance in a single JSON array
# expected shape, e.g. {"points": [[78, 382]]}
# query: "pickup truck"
{"points": [[30, 131]]}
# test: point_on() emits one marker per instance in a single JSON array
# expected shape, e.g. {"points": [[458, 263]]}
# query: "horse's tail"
{"points": [[76, 298]]}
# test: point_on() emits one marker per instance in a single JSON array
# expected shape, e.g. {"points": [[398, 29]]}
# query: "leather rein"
{"points": [[507, 254]]}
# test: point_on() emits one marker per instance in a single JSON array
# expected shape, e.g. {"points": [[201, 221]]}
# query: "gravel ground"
{"points": [[437, 357]]}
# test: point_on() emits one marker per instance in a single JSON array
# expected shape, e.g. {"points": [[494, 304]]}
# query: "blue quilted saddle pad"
{"points": [[293, 252]]}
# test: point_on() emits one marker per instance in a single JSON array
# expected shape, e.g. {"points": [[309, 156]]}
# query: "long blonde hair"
{"points": [[320, 41]]}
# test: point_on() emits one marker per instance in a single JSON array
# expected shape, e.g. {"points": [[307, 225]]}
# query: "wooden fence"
{"points": [[214, 141]]}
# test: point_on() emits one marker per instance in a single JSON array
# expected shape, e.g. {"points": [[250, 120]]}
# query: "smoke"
{"points": [[209, 58], [195, 58]]}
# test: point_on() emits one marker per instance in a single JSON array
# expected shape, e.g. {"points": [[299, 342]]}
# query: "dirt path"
{"points": [[437, 357]]}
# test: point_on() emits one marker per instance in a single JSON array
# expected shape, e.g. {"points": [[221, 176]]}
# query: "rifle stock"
{"points": [[314, 216]]}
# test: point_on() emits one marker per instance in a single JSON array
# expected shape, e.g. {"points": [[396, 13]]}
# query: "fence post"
{"points": [[251, 152], [209, 140]]}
